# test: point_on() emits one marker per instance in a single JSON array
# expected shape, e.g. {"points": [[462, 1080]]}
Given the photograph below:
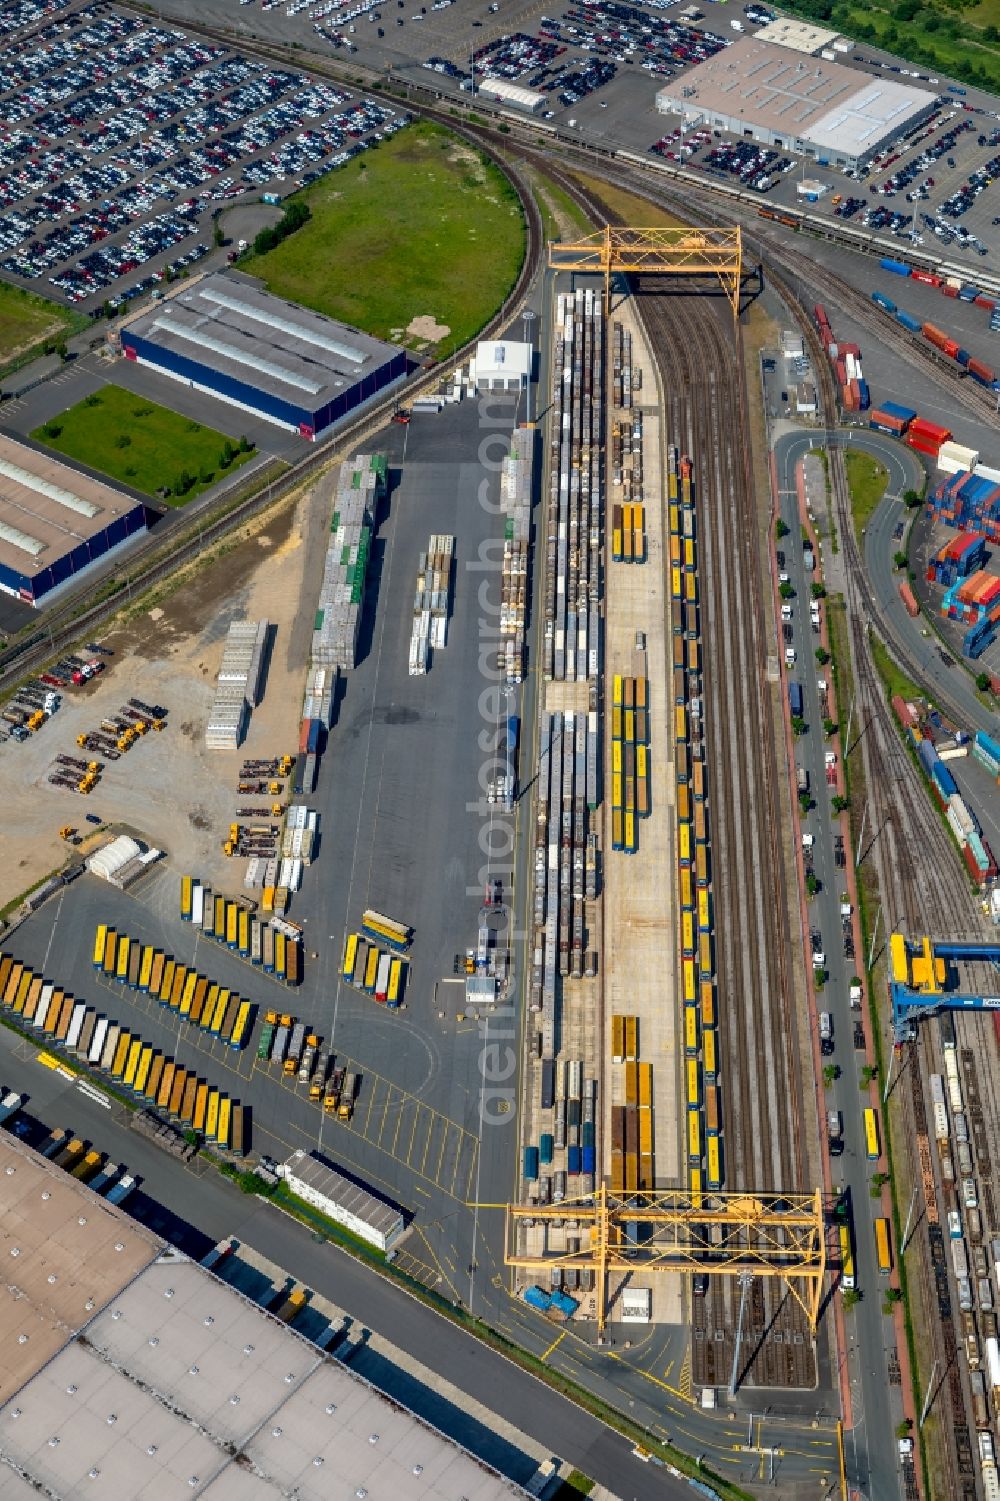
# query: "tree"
{"points": [[812, 884], [983, 682], [829, 727], [892, 1297], [899, 559], [786, 591], [798, 725], [840, 804], [245, 445], [911, 499], [62, 350], [822, 655], [780, 529], [904, 1428], [831, 1074], [805, 802], [851, 1298], [868, 1075], [206, 474], [817, 591], [218, 238], [879, 1180]]}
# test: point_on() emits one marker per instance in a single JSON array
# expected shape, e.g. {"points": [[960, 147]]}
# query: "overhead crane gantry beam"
{"points": [[767, 1235], [678, 250]]}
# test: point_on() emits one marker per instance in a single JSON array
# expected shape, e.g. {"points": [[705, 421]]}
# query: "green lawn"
{"points": [[420, 226], [141, 444], [949, 38], [867, 479], [27, 321]]}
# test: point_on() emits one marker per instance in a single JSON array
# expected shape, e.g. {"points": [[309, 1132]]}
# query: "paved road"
{"points": [[917, 652], [869, 1445]]}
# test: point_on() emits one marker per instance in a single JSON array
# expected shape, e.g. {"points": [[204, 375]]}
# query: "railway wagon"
{"points": [[687, 934], [694, 1137], [706, 997], [704, 910], [711, 1110], [691, 1031], [705, 965], [714, 1167], [680, 724], [683, 804], [693, 1083], [700, 822], [695, 1186], [709, 1054], [687, 889], [690, 981], [701, 866], [684, 845]]}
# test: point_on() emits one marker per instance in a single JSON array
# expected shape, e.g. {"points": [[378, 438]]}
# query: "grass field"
{"points": [[27, 321], [867, 479], [948, 37], [141, 444], [422, 225]]}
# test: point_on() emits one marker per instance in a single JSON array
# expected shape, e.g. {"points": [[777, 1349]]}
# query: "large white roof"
{"points": [[858, 124]]}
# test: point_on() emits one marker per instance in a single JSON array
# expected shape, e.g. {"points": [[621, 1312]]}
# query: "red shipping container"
{"points": [[983, 301], [950, 291], [933, 334], [924, 446], [983, 371], [927, 277], [925, 429], [907, 596], [951, 347], [303, 737]]}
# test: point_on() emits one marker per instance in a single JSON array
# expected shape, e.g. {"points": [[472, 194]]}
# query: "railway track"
{"points": [[764, 1140]]}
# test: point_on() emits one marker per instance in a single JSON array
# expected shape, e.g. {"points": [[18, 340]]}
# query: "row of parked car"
{"points": [[17, 14], [755, 166], [624, 33], [942, 146], [514, 55], [155, 131]]}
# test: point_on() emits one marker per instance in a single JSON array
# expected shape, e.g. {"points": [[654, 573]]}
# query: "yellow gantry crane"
{"points": [[678, 250], [726, 1234]]}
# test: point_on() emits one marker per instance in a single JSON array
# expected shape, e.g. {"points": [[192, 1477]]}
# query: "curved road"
{"points": [[918, 653]]}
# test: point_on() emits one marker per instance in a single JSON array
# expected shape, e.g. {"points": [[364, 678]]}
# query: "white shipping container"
{"points": [[940, 1122]]}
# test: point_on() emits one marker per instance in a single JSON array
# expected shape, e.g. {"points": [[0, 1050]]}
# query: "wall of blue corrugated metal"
{"points": [[265, 401], [215, 380], [82, 555], [11, 579]]}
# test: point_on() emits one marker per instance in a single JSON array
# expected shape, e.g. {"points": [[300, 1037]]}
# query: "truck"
{"points": [[267, 1036], [308, 1058], [319, 1077], [281, 1037], [331, 1099], [295, 1045], [345, 1108], [802, 780], [795, 699], [123, 1188]]}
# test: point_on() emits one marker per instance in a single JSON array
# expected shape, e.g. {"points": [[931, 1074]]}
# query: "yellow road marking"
{"points": [[557, 1341]]}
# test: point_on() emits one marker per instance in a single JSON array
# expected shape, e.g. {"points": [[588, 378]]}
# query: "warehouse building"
{"points": [[55, 522], [801, 36], [131, 1371], [228, 337], [805, 105], [502, 91]]}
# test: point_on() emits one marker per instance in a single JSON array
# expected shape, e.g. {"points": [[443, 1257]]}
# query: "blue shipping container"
{"points": [[897, 267], [795, 699], [531, 1164], [968, 294], [513, 730], [908, 321], [884, 302], [312, 743], [536, 1298], [589, 1160], [928, 755], [545, 1148], [587, 1133], [893, 408], [962, 356], [573, 1161]]}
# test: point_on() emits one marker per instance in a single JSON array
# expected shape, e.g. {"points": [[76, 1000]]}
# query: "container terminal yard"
{"points": [[643, 1038]]}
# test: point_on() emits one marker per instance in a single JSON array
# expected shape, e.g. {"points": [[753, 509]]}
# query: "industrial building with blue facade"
{"points": [[55, 522], [230, 338]]}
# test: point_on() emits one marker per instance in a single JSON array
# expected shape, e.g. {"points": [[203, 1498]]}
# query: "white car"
{"points": [[786, 612]]}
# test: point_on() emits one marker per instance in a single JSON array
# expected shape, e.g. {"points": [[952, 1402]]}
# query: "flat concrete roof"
{"points": [[47, 508], [65, 1253], [183, 1387], [831, 106], [343, 1192], [228, 322], [800, 36]]}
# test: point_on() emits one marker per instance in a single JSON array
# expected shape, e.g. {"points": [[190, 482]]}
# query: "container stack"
{"points": [[846, 362], [957, 559], [431, 602], [969, 500], [574, 517], [891, 418], [954, 456], [628, 533], [961, 819], [360, 489], [299, 839], [926, 437], [237, 685]]}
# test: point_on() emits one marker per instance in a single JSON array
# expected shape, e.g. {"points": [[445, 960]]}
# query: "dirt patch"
{"points": [[168, 787], [425, 327]]}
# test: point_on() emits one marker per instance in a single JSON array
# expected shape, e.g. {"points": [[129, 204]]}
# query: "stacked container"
{"points": [[516, 494], [237, 685], [360, 489], [889, 417], [927, 437], [431, 602]]}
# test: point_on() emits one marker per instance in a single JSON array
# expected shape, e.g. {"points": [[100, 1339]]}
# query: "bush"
{"points": [[52, 429], [123, 441], [983, 682], [295, 215], [93, 400], [822, 655], [245, 445], [852, 1297], [780, 529]]}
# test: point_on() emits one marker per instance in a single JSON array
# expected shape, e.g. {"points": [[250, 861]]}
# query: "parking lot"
{"points": [[601, 64], [122, 138]]}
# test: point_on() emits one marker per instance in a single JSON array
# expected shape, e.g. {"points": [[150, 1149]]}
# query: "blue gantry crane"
{"points": [[924, 979]]}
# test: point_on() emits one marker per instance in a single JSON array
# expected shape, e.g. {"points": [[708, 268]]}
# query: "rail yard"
{"points": [[601, 914]]}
